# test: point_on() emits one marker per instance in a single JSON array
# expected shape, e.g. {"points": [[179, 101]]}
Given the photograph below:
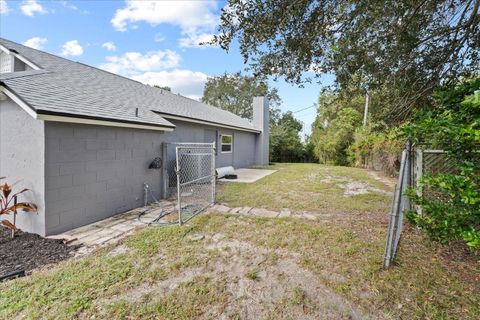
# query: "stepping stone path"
{"points": [[260, 212], [111, 230]]}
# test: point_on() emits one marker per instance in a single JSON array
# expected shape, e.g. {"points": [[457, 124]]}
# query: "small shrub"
{"points": [[377, 147], [453, 126], [9, 205]]}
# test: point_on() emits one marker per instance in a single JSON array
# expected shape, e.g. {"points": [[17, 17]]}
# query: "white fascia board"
{"points": [[4, 49], [73, 119], [19, 101], [106, 123], [168, 116], [19, 57]]}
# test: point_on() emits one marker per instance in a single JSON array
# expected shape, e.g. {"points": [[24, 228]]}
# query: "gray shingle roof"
{"points": [[75, 89]]}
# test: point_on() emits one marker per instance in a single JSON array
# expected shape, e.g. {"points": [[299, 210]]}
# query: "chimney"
{"points": [[261, 121]]}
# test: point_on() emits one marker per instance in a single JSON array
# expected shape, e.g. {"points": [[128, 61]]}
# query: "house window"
{"points": [[226, 143]]}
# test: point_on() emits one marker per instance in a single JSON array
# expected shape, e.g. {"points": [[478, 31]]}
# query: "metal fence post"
{"points": [[165, 178], [178, 186], [418, 175], [213, 173]]}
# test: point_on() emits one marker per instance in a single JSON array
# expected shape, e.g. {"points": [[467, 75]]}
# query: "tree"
{"points": [[234, 93], [333, 130], [166, 88], [407, 46], [285, 143]]}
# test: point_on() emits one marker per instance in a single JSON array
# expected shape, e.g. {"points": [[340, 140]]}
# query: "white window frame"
{"points": [[226, 144]]}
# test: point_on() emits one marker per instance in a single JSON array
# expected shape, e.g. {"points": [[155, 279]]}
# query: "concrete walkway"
{"points": [[249, 175], [113, 229]]}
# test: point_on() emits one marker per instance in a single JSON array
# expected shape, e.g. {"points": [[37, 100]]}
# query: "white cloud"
{"points": [[132, 63], [185, 14], [110, 46], [72, 48], [73, 7], [185, 82], [160, 68], [36, 43], [31, 7], [196, 19], [158, 37], [4, 9], [194, 40]]}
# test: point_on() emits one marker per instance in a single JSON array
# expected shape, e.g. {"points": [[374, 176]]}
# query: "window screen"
{"points": [[226, 143]]}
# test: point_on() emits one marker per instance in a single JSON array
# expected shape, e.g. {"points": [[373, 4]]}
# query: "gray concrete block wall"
{"points": [[93, 172], [244, 143], [80, 174], [22, 161], [243, 149]]}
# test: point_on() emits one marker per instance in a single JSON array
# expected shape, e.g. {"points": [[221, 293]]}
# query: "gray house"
{"points": [[82, 138]]}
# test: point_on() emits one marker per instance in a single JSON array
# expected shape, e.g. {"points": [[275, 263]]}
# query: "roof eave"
{"points": [[210, 123], [75, 118]]}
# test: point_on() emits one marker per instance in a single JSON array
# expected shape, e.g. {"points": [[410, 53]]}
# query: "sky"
{"points": [[155, 42]]}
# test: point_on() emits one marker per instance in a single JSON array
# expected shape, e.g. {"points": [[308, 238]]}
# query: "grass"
{"points": [[301, 187], [163, 274], [252, 274]]}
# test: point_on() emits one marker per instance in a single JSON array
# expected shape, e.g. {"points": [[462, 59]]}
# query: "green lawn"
{"points": [[244, 267], [306, 187]]}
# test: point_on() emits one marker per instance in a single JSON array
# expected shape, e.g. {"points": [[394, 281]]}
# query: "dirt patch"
{"points": [[352, 187], [121, 249], [28, 251], [260, 283], [388, 181]]}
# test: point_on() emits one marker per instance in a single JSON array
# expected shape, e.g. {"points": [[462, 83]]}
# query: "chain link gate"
{"points": [[195, 175]]}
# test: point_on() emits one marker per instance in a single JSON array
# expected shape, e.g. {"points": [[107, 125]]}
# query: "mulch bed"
{"points": [[28, 251]]}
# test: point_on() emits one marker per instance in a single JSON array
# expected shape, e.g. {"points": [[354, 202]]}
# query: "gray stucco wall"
{"points": [[22, 160], [94, 172]]}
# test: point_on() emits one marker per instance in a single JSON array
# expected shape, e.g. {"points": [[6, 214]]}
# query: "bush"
{"points": [[332, 141], [453, 126], [376, 147]]}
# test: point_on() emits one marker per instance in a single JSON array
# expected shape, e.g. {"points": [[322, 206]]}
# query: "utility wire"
{"points": [[312, 106]]}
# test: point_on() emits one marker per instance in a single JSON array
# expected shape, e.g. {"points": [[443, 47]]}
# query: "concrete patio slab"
{"points": [[247, 175]]}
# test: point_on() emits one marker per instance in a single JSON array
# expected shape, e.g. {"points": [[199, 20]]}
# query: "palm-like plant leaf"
{"points": [[9, 225], [6, 206]]}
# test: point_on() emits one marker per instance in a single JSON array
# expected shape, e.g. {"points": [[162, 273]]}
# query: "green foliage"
{"points": [[408, 47], [333, 131], [234, 93], [166, 88], [453, 126], [285, 142], [378, 147], [340, 138]]}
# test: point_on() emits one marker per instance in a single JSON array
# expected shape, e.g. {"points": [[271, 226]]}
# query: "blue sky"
{"points": [[153, 42]]}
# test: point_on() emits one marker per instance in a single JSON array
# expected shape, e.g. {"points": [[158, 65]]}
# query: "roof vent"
{"points": [[136, 112]]}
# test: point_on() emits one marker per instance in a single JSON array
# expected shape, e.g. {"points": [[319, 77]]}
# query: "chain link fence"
{"points": [[417, 162], [195, 171], [430, 162], [400, 203]]}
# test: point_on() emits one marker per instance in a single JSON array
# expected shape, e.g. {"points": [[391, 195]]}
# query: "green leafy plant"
{"points": [[377, 147], [9, 205], [453, 213]]}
